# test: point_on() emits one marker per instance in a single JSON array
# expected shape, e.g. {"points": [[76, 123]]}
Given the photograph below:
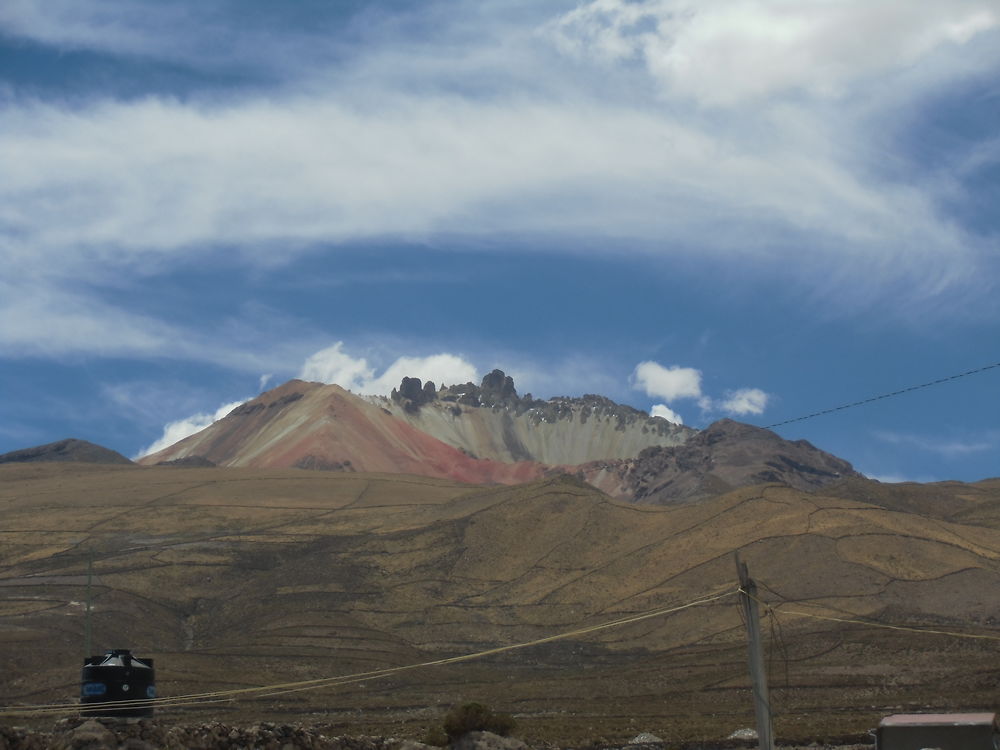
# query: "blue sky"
{"points": [[747, 209]]}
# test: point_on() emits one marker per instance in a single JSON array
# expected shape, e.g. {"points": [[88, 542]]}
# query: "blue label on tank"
{"points": [[94, 688], [151, 691]]}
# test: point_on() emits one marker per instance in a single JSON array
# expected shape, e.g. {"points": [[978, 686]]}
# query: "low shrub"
{"points": [[475, 717], [435, 737]]}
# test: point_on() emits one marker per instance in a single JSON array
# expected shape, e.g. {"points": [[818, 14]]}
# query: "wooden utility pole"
{"points": [[761, 701], [87, 631]]}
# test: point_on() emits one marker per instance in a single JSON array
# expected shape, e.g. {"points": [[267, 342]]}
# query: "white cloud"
{"points": [[443, 369], [70, 24], [667, 382], [899, 478], [333, 365], [39, 319], [132, 185], [182, 428], [389, 142], [117, 187], [149, 402], [662, 410], [192, 33], [726, 53], [889, 478], [576, 374], [744, 401], [943, 446], [676, 382], [52, 319]]}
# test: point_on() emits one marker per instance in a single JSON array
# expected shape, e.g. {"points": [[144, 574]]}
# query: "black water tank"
{"points": [[117, 676]]}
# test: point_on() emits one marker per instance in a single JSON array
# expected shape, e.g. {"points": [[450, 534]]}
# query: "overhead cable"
{"points": [[778, 609], [322, 682], [883, 396]]}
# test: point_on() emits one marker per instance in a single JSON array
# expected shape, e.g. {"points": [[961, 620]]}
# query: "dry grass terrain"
{"points": [[235, 578]]}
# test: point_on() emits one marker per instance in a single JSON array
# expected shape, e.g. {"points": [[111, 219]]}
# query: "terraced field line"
{"points": [[869, 623], [323, 682]]}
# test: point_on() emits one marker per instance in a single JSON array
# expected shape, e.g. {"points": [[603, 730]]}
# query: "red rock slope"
{"points": [[315, 426]]}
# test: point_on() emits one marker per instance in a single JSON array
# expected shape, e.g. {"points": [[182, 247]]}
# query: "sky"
{"points": [[747, 209]]}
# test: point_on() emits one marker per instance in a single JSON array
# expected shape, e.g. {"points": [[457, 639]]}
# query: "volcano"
{"points": [[488, 434]]}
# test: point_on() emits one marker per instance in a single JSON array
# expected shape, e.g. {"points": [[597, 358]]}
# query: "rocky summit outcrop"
{"points": [[412, 395], [491, 420], [70, 449], [496, 391], [723, 456]]}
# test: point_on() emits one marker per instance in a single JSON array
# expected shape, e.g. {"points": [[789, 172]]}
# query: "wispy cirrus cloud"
{"points": [[471, 121], [445, 160], [728, 53], [900, 479], [239, 41], [39, 318], [153, 181], [949, 447]]}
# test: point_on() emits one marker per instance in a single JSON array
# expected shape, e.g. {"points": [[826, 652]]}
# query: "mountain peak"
{"points": [[70, 449], [725, 455]]}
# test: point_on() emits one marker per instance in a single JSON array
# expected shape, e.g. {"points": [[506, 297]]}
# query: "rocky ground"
{"points": [[114, 734], [107, 734]]}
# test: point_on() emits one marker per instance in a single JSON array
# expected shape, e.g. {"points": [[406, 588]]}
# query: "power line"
{"points": [[870, 623], [883, 396], [323, 682], [197, 699]]}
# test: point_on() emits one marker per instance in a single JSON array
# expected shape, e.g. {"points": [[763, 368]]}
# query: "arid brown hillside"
{"points": [[234, 578], [977, 504]]}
